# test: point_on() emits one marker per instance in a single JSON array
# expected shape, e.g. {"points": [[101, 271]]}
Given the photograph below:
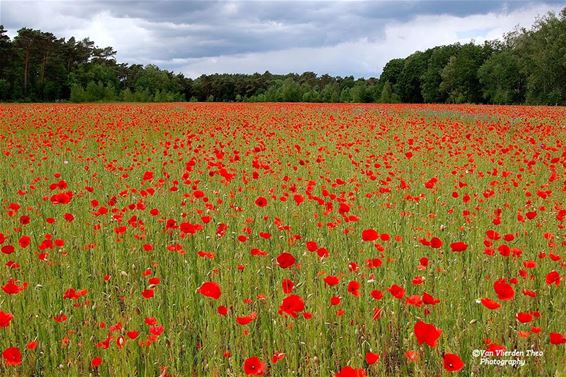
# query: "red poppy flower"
{"points": [[12, 287], [221, 230], [312, 246], [150, 321], [189, 228], [156, 330], [354, 288], [396, 291], [133, 334], [503, 290], [331, 280], [62, 198], [490, 304], [285, 260], [372, 358], [370, 235], [493, 235], [557, 338], [5, 319], [458, 246], [322, 252], [31, 345], [261, 202], [210, 289], [12, 356], [414, 300], [277, 356], [376, 294], [24, 241], [60, 317], [452, 362], [292, 305], [147, 176], [350, 372], [374, 263], [427, 333], [412, 355], [95, 362], [553, 277], [258, 252], [244, 320], [7, 249], [524, 317], [429, 299], [435, 243], [287, 286], [493, 347], [253, 366]]}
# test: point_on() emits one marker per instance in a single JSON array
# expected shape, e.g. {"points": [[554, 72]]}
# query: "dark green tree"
{"points": [[431, 79], [501, 79], [386, 93], [409, 84], [542, 54], [27, 44], [460, 80]]}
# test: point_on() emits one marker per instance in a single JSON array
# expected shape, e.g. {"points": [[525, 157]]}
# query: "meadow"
{"points": [[282, 240]]}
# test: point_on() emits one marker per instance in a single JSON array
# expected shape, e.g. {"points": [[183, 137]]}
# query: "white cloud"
{"points": [[32, 14], [132, 37]]}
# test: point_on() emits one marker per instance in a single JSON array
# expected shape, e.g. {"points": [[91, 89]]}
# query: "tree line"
{"points": [[526, 66]]}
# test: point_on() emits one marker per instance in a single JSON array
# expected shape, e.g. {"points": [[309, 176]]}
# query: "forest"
{"points": [[527, 66]]}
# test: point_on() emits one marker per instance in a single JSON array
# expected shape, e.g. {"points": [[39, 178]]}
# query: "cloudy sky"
{"points": [[230, 36]]}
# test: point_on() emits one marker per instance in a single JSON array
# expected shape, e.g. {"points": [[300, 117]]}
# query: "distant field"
{"points": [[282, 240]]}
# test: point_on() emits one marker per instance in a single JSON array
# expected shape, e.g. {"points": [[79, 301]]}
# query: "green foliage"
{"points": [[77, 93], [346, 95], [460, 80], [501, 78], [126, 95], [431, 78], [290, 91], [543, 59], [360, 93], [4, 89], [392, 71], [386, 93], [409, 81]]}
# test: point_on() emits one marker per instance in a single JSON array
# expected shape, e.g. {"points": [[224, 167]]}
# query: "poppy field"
{"points": [[282, 240]]}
